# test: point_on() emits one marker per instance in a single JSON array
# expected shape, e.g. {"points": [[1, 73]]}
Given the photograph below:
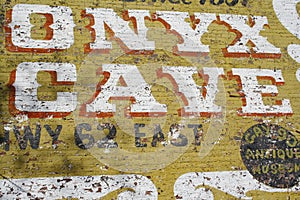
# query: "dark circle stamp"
{"points": [[271, 154]]}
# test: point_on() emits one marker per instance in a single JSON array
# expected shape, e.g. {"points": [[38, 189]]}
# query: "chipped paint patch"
{"points": [[81, 187]]}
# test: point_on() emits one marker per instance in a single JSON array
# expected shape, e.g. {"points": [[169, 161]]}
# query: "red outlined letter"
{"points": [[248, 34], [131, 41], [59, 29], [196, 102], [253, 93], [24, 92], [190, 37], [133, 87]]}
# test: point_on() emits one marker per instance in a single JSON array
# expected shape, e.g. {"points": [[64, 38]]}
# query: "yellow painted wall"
{"points": [[69, 160]]}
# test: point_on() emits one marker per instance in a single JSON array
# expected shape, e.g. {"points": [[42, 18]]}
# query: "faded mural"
{"points": [[150, 99]]}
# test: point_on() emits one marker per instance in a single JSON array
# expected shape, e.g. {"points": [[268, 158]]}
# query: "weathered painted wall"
{"points": [[150, 99]]}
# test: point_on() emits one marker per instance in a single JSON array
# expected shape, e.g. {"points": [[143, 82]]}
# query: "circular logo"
{"points": [[272, 155], [124, 84]]}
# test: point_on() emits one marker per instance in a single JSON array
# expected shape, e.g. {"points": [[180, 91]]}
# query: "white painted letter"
{"points": [[253, 92], [194, 185], [130, 186], [133, 86], [195, 101], [286, 11], [26, 87], [61, 34], [176, 21], [249, 33], [133, 41]]}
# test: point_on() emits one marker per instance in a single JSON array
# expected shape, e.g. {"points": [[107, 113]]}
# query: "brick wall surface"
{"points": [[219, 153]]}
